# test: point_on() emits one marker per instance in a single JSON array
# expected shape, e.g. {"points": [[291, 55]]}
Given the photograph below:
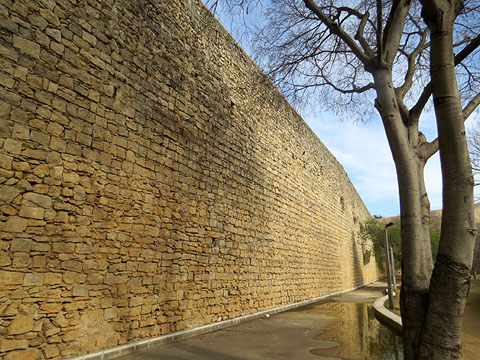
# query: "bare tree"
{"points": [[474, 148], [399, 53]]}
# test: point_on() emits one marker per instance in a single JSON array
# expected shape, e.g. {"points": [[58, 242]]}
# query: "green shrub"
{"points": [[374, 230]]}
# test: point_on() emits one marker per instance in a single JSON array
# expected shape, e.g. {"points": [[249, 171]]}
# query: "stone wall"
{"points": [[153, 180]]}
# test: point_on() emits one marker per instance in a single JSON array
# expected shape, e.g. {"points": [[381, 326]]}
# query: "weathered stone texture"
{"points": [[153, 180]]}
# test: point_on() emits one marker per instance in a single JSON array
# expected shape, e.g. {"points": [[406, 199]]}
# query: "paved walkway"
{"points": [[295, 334], [342, 328]]}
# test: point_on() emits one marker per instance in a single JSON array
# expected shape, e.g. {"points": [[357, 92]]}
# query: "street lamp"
{"points": [[387, 256], [392, 259]]}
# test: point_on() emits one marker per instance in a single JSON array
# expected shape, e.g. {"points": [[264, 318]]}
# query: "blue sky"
{"points": [[363, 151]]}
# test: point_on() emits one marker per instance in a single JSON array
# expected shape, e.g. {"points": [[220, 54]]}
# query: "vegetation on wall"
{"points": [[374, 230]]}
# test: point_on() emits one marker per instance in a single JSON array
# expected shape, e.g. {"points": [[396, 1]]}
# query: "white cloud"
{"points": [[363, 151]]}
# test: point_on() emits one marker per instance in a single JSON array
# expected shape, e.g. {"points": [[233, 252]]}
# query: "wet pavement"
{"points": [[342, 328]]}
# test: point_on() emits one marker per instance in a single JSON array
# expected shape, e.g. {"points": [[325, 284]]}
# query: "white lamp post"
{"points": [[394, 280], [389, 278]]}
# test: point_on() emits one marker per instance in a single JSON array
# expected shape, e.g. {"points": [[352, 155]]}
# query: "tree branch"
{"points": [[417, 109], [402, 107], [394, 29], [338, 31], [379, 30], [408, 81], [430, 148], [427, 90], [471, 106], [359, 35], [427, 149], [354, 90], [467, 50]]}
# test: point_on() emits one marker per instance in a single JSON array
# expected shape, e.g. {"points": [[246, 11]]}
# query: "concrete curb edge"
{"points": [[386, 316], [134, 347]]}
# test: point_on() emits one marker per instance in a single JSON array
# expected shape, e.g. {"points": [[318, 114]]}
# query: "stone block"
{"points": [[92, 40], [9, 345], [33, 279], [9, 25], [26, 46], [43, 201], [19, 8], [40, 137], [41, 170], [51, 351], [15, 224], [21, 260], [29, 354], [63, 247], [8, 193], [52, 278], [44, 97], [21, 245], [54, 34], [6, 174], [57, 144], [51, 307], [6, 80], [72, 335], [12, 146], [21, 325], [21, 131], [52, 331], [84, 139], [72, 265], [59, 104], [39, 261], [50, 17], [70, 277], [71, 177], [57, 48], [84, 249], [35, 154], [80, 290], [8, 51], [62, 216], [95, 278], [38, 22], [5, 259], [32, 212], [5, 162], [5, 108]]}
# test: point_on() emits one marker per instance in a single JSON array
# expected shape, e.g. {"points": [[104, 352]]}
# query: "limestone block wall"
{"points": [[153, 180]]}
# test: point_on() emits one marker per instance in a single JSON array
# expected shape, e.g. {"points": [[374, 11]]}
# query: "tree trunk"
{"points": [[417, 261], [415, 209], [441, 335]]}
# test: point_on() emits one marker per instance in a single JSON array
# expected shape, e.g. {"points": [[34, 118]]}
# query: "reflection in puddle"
{"points": [[353, 332]]}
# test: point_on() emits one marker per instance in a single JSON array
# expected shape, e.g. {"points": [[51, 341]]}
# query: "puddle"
{"points": [[352, 333]]}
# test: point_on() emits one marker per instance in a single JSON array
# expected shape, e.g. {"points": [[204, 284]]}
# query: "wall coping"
{"points": [[386, 316]]}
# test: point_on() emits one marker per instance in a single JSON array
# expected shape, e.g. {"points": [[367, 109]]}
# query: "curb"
{"points": [[134, 347], [386, 316]]}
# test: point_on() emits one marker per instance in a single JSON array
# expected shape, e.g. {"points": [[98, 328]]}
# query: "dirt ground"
{"points": [[471, 323]]}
